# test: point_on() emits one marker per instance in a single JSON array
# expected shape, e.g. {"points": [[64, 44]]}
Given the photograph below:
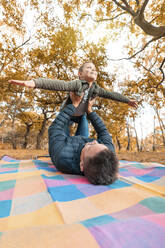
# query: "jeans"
{"points": [[82, 128]]}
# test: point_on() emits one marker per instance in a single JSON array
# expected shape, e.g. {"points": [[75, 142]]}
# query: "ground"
{"points": [[157, 156]]}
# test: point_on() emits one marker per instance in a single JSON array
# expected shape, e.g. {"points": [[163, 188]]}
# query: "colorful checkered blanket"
{"points": [[41, 207]]}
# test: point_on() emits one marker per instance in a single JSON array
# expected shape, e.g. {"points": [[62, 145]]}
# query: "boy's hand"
{"points": [[133, 104], [30, 83], [90, 104], [75, 99]]}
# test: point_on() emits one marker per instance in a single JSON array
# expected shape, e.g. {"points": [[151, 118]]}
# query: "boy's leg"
{"points": [[83, 128]]}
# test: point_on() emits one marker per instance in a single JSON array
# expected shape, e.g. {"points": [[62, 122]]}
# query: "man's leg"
{"points": [[83, 128]]}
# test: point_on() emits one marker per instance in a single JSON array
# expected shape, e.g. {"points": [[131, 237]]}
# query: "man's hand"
{"points": [[30, 83], [90, 104], [75, 99], [133, 104]]}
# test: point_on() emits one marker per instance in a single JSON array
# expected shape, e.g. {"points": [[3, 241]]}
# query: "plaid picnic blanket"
{"points": [[41, 207]]}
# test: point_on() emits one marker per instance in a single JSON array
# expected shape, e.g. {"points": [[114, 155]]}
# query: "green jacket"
{"points": [[78, 86]]}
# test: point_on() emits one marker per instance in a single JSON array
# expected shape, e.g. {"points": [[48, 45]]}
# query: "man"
{"points": [[79, 154]]}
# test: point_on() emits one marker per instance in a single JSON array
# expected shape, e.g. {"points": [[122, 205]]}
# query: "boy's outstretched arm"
{"points": [[29, 83], [53, 84], [133, 104], [116, 96]]}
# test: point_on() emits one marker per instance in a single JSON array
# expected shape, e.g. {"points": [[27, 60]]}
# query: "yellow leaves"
{"points": [[161, 17], [99, 12], [34, 3], [68, 8], [13, 14], [132, 28], [2, 23]]}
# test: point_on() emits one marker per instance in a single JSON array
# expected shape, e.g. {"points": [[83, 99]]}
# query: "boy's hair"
{"points": [[102, 168], [82, 66]]}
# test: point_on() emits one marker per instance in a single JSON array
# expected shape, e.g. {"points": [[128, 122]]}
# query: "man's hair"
{"points": [[102, 168], [82, 66]]}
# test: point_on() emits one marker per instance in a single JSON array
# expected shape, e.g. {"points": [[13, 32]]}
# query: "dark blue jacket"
{"points": [[65, 150]]}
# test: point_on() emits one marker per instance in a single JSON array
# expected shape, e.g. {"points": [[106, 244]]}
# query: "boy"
{"points": [[85, 85]]}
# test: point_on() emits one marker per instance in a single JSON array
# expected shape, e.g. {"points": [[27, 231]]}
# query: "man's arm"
{"points": [[102, 132], [56, 131]]}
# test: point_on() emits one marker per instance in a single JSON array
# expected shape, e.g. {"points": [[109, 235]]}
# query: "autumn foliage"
{"points": [[49, 39]]}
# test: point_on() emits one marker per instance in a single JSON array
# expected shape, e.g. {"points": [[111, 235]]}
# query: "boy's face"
{"points": [[88, 73]]}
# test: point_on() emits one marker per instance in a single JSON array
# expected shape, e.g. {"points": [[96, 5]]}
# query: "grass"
{"points": [[157, 156]]}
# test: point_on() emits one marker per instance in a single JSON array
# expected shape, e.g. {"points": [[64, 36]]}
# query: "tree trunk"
{"points": [[41, 133], [153, 145], [118, 143], [128, 136], [162, 127], [2, 122], [28, 126], [13, 134], [137, 141], [142, 140], [14, 141]]}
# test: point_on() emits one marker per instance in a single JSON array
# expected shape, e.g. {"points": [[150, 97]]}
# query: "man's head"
{"points": [[98, 163], [88, 72]]}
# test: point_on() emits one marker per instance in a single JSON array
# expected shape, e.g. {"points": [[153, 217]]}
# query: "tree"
{"points": [[154, 137], [161, 124], [28, 119], [139, 19], [54, 47], [136, 136]]}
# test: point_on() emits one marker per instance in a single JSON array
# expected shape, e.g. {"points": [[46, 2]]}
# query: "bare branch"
{"points": [[114, 10], [150, 41], [59, 95], [153, 19], [90, 3], [128, 9], [126, 4], [137, 2], [139, 19], [147, 27], [149, 70], [143, 7], [156, 59], [103, 20], [163, 76], [162, 64], [26, 41], [14, 49], [3, 121]]}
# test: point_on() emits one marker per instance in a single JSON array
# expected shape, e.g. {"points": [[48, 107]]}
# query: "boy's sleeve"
{"points": [[112, 95], [102, 132], [57, 85], [57, 130]]}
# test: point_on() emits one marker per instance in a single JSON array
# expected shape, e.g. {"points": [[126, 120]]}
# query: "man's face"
{"points": [[90, 150], [88, 73]]}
